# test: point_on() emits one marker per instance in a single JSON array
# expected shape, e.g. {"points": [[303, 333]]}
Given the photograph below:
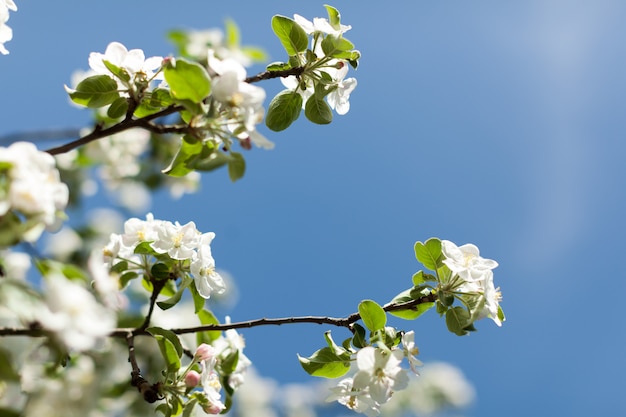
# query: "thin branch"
{"points": [[332, 321], [149, 392], [268, 75]]}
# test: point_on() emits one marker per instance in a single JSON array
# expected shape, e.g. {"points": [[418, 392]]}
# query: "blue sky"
{"points": [[495, 123]]}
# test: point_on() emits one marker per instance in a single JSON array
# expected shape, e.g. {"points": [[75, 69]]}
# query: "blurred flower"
{"points": [[74, 315]]}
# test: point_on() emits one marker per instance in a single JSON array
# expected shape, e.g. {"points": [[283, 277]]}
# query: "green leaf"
{"points": [[358, 340], [334, 17], [95, 91], [179, 167], [169, 335], [291, 35], [418, 278], [7, 412], [410, 313], [325, 363], [232, 34], [278, 66], [236, 166], [283, 110], [118, 108], [373, 315], [339, 351], [317, 110], [169, 345], [7, 373], [126, 278], [333, 46], [144, 248], [457, 320], [174, 299], [207, 317], [429, 253], [187, 80], [198, 300], [120, 73], [160, 271]]}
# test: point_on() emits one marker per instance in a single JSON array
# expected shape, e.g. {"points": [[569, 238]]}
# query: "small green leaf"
{"points": [[457, 320], [207, 317], [325, 363], [120, 73], [373, 315], [198, 300], [174, 299], [170, 347], [283, 110], [278, 66], [291, 35], [232, 34], [95, 91], [418, 278], [179, 166], [144, 248], [118, 108], [429, 253], [318, 111], [358, 340], [187, 80], [170, 336], [333, 46], [334, 17], [236, 166], [410, 313]]}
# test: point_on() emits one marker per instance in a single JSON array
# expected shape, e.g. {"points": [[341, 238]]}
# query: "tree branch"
{"points": [[333, 321]]}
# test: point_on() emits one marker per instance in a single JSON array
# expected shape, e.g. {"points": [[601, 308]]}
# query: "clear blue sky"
{"points": [[497, 123]]}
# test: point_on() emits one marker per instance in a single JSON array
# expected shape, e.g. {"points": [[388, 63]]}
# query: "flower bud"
{"points": [[192, 379], [204, 352], [212, 408]]}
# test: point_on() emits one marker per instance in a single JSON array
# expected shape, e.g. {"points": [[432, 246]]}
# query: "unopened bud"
{"points": [[204, 352], [192, 379]]}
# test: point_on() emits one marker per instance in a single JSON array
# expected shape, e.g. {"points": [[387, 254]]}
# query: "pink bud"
{"points": [[213, 408], [204, 352], [192, 379]]}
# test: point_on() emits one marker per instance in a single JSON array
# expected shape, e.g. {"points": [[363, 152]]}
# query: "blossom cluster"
{"points": [[181, 248], [32, 196], [476, 278], [6, 33], [216, 366], [339, 88], [378, 376]]}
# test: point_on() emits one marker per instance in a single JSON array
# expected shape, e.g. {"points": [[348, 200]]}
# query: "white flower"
{"points": [[489, 295], [133, 61], [410, 350], [179, 242], [338, 98], [206, 279], [228, 345], [33, 187], [137, 231], [74, 315], [356, 400], [14, 264], [320, 25], [465, 261], [211, 386], [380, 373], [6, 34]]}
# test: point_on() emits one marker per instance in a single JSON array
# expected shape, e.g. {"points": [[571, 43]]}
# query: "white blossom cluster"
{"points": [[240, 104], [378, 375], [183, 243], [31, 189], [337, 69], [6, 33], [477, 276]]}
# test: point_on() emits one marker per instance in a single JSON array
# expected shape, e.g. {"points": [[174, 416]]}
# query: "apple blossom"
{"points": [[133, 62], [465, 260], [6, 34], [206, 279], [358, 400], [32, 188], [320, 24], [410, 350], [379, 371], [74, 315]]}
